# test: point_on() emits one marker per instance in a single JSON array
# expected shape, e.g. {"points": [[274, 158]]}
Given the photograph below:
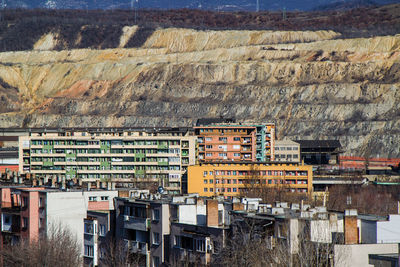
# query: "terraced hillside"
{"points": [[313, 84]]}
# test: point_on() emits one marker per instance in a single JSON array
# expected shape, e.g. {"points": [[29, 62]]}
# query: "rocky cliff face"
{"points": [[311, 84]]}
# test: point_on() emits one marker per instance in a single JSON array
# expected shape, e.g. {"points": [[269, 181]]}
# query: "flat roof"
{"points": [[319, 143], [96, 129]]}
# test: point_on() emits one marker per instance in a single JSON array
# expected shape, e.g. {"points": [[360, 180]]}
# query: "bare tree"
{"points": [[58, 248], [118, 254], [257, 242]]}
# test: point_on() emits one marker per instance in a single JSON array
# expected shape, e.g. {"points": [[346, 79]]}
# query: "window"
{"points": [[104, 198], [25, 222], [205, 181], [211, 173], [205, 189], [156, 215], [205, 173], [102, 230], [88, 228], [156, 238], [208, 138], [25, 202], [200, 245], [229, 190], [277, 148], [236, 139], [234, 189], [211, 181], [92, 198], [209, 154], [208, 146], [156, 261], [41, 202], [211, 189], [88, 251], [177, 241], [295, 156]]}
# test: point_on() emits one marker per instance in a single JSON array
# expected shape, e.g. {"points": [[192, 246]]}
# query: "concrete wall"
{"points": [[357, 255], [67, 209], [187, 214], [389, 231], [368, 232], [320, 231], [99, 194]]}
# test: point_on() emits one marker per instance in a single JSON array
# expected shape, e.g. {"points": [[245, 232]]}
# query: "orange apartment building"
{"points": [[235, 142], [232, 178]]}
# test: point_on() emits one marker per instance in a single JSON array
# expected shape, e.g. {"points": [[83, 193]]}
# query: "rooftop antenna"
{"points": [[134, 4], [284, 13]]}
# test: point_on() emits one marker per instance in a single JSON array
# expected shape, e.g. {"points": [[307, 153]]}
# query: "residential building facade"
{"points": [[158, 156], [27, 213], [235, 142], [144, 226], [287, 151], [234, 178]]}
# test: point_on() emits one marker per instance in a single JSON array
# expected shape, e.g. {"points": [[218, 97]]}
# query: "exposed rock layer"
{"points": [[312, 84]]}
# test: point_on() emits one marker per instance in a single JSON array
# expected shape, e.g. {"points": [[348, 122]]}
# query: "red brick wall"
{"points": [[212, 212], [350, 230], [98, 205]]}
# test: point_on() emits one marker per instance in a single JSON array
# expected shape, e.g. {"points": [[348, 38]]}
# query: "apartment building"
{"points": [[199, 229], [143, 224], [159, 156], [287, 151], [28, 212], [99, 229], [234, 178], [235, 142]]}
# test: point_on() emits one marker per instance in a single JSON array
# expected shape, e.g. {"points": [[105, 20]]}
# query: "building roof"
{"points": [[319, 143], [207, 121], [285, 142], [95, 129]]}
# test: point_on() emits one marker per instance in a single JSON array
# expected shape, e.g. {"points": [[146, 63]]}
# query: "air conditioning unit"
{"points": [[126, 218]]}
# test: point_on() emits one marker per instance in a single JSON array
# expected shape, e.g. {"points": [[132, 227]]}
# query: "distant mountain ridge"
{"points": [[223, 5], [344, 5]]}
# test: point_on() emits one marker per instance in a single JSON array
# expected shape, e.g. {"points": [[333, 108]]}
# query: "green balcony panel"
{"points": [[48, 163], [163, 145]]}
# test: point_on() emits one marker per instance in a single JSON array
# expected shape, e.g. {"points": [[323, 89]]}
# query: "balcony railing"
{"points": [[136, 223], [137, 246]]}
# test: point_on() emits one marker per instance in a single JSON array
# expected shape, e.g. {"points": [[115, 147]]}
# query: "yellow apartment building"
{"points": [[231, 178]]}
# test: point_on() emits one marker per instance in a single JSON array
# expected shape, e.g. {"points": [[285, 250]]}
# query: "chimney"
{"points": [[212, 212], [238, 206], [350, 227]]}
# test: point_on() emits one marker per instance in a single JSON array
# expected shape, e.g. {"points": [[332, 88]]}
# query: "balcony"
{"points": [[137, 246], [136, 223]]}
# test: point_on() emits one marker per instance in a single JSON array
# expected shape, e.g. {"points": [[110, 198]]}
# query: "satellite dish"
{"points": [[160, 190]]}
